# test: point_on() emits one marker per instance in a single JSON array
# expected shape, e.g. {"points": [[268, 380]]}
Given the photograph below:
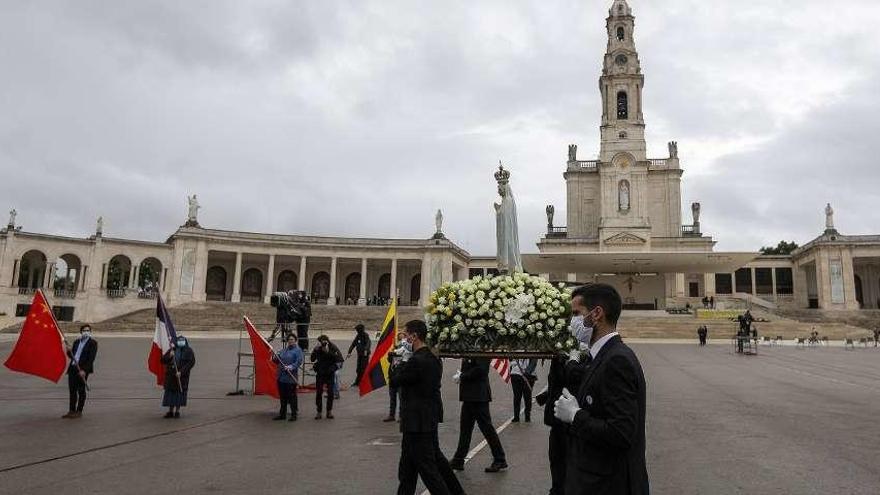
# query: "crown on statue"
{"points": [[502, 176]]}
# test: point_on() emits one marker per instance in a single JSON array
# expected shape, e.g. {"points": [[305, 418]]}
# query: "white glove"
{"points": [[457, 377], [566, 407], [288, 367]]}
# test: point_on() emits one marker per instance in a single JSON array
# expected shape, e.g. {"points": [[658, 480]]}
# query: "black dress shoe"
{"points": [[514, 420], [496, 466], [278, 418], [169, 414], [176, 414], [457, 464], [292, 418]]}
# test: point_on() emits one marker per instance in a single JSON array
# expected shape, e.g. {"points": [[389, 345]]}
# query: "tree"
{"points": [[783, 248]]}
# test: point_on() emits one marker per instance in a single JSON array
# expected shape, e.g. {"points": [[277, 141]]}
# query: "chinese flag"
{"points": [[265, 370], [40, 348]]}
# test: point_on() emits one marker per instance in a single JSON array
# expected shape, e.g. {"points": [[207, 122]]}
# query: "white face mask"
{"points": [[86, 334], [579, 331]]}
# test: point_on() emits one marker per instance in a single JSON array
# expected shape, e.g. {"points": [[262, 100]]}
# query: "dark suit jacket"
{"points": [[87, 358], [421, 407], [607, 438], [474, 385], [186, 361]]}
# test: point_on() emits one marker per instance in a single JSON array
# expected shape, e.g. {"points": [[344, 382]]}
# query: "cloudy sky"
{"points": [[362, 118]]}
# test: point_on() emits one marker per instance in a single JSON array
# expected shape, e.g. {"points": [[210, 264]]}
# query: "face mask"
{"points": [[86, 333], [181, 343], [579, 330]]}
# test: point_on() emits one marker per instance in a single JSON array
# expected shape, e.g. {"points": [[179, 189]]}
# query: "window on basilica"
{"points": [[622, 105], [621, 34]]}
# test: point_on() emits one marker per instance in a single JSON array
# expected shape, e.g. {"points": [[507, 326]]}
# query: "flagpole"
{"points": [[64, 339]]}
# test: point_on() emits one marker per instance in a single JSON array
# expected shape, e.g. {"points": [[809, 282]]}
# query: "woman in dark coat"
{"points": [[178, 361]]}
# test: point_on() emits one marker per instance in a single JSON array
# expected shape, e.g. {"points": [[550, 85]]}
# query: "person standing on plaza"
{"points": [[606, 415], [179, 362], [394, 360], [418, 377], [702, 332], [82, 360], [363, 345], [326, 358], [522, 379], [475, 395], [289, 360]]}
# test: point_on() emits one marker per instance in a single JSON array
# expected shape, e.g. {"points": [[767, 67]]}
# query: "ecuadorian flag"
{"points": [[376, 374]]}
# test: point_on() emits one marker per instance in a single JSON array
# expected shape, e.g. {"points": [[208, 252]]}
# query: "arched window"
{"points": [[252, 285], [287, 280], [385, 286], [415, 289], [320, 287], [352, 288], [215, 284], [622, 105], [621, 33]]}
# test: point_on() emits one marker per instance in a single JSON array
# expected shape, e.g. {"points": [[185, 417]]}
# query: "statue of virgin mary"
{"points": [[506, 228]]}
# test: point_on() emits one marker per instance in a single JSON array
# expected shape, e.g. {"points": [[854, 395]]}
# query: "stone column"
{"points": [[16, 267], [823, 279], [393, 279], [134, 279], [83, 277], [301, 276], [709, 284], [362, 298], [426, 280], [200, 274], [236, 279], [48, 273], [331, 300], [270, 279], [105, 270], [754, 283], [571, 277], [773, 279], [849, 282], [733, 283], [679, 285]]}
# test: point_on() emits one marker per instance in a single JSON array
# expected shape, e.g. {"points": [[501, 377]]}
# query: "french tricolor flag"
{"points": [[162, 339]]}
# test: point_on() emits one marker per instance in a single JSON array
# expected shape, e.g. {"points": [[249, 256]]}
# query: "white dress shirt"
{"points": [[597, 346]]}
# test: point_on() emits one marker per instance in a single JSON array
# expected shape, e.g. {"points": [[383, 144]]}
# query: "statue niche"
{"points": [[623, 195]]}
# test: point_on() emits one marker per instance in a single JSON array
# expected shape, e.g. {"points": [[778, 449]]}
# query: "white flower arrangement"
{"points": [[509, 313]]}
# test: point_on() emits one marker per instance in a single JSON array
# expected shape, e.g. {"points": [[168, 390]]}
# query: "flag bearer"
{"points": [[82, 360]]}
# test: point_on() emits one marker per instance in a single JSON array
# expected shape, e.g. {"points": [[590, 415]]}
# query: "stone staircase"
{"points": [[226, 317]]}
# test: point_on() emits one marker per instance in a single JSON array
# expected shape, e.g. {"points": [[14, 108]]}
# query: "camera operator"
{"points": [[305, 317]]}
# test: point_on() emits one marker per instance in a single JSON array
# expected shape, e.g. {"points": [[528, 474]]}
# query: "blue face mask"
{"points": [[181, 343]]}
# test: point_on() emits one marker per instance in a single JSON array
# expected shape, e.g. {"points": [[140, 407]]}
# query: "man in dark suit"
{"points": [[606, 415], [475, 395], [418, 378], [82, 361]]}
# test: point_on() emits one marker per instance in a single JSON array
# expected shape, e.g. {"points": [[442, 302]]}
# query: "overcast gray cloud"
{"points": [[362, 118]]}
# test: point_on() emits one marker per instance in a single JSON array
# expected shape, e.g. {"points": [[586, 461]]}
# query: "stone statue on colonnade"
{"points": [[506, 227]]}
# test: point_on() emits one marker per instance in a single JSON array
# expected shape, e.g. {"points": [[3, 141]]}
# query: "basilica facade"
{"points": [[623, 226]]}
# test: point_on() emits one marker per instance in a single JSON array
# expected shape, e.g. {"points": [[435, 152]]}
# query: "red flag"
{"points": [[265, 370], [40, 346]]}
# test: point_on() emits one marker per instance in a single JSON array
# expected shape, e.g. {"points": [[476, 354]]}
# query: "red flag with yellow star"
{"points": [[40, 346]]}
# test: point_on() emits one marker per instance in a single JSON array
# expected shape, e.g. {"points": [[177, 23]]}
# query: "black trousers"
{"points": [[362, 363], [392, 392], [556, 453], [420, 455], [77, 388], [521, 390], [287, 396], [302, 337], [322, 382], [478, 412]]}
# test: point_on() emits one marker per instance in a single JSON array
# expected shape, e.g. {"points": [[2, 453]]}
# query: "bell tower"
{"points": [[621, 83]]}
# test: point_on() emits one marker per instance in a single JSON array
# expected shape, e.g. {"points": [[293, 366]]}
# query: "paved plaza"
{"points": [[790, 420]]}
